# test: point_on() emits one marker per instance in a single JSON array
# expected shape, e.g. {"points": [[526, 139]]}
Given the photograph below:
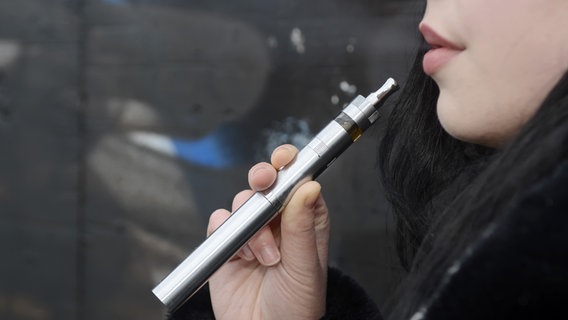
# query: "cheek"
{"points": [[516, 51], [487, 95], [514, 56]]}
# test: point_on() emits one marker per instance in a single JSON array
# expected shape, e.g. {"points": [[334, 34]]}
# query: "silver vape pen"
{"points": [[236, 231]]}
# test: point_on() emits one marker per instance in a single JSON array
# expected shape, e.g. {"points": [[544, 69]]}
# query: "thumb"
{"points": [[305, 230]]}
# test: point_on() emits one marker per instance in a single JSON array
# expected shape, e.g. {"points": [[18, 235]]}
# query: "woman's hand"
{"points": [[282, 272]]}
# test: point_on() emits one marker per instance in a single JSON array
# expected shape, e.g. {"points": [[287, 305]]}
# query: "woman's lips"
{"points": [[435, 58], [442, 50]]}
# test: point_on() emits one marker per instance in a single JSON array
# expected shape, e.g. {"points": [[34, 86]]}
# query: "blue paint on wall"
{"points": [[205, 152], [223, 148]]}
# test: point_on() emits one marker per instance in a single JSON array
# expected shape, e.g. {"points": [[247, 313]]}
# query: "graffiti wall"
{"points": [[125, 123]]}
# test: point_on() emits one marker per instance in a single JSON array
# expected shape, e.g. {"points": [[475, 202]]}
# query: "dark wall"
{"points": [[125, 123]]}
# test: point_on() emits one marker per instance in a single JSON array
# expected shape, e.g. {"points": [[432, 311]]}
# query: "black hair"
{"points": [[444, 191]]}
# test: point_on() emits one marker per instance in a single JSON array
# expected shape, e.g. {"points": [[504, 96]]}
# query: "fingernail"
{"points": [[257, 170], [285, 148], [248, 255], [269, 256]]}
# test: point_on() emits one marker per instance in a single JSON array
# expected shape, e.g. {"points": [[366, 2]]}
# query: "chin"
{"points": [[479, 137], [464, 127]]}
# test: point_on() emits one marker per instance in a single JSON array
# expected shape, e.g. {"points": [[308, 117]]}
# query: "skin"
{"points": [[285, 264], [514, 51]]}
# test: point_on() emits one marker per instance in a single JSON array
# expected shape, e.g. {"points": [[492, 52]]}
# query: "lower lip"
{"points": [[437, 58]]}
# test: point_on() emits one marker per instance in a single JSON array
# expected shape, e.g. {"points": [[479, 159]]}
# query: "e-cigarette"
{"points": [[262, 207]]}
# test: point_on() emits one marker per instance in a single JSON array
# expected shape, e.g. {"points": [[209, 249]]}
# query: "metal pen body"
{"points": [[262, 207]]}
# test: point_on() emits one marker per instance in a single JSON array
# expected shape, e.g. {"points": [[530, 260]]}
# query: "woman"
{"points": [[475, 164]]}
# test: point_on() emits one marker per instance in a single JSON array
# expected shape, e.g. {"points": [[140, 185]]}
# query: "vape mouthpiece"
{"points": [[387, 89]]}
